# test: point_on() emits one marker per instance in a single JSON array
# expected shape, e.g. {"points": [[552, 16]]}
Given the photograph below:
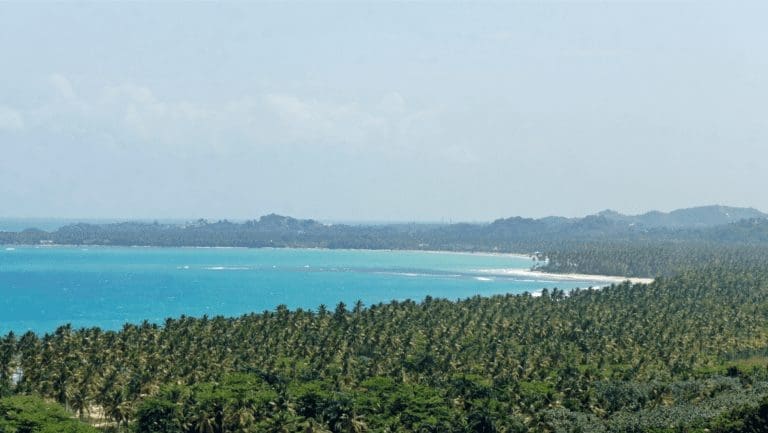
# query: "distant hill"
{"points": [[718, 224], [695, 217]]}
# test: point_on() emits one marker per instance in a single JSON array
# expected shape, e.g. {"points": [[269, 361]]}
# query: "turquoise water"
{"points": [[42, 288]]}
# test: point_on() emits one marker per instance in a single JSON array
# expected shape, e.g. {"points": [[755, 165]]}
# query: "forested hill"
{"points": [[516, 234], [702, 216]]}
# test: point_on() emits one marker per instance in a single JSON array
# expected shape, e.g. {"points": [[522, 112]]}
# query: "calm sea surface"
{"points": [[42, 288]]}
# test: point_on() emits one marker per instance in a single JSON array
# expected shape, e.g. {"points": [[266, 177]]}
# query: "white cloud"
{"points": [[133, 118], [10, 119], [316, 122], [62, 86], [393, 103]]}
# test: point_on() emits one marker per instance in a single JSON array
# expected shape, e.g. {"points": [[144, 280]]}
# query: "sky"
{"points": [[374, 111]]}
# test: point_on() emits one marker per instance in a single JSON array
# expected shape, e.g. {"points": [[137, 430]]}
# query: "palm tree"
{"points": [[309, 425]]}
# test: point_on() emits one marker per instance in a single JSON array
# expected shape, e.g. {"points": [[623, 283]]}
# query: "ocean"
{"points": [[42, 288]]}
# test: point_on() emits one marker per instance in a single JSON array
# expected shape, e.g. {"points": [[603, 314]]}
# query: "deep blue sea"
{"points": [[42, 288]]}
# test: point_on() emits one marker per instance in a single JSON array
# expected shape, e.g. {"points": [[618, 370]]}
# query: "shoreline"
{"points": [[513, 268]]}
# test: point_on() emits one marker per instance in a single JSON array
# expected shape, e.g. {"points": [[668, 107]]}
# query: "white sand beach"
{"points": [[607, 279]]}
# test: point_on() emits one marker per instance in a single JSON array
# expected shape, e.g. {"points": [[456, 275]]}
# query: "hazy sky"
{"points": [[381, 111]]}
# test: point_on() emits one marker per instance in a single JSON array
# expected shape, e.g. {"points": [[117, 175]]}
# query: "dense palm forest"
{"points": [[685, 353]]}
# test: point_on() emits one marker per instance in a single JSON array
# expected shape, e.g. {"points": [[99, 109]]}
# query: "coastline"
{"points": [[495, 274]]}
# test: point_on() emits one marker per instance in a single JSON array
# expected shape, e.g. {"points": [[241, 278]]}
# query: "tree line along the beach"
{"points": [[685, 353]]}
